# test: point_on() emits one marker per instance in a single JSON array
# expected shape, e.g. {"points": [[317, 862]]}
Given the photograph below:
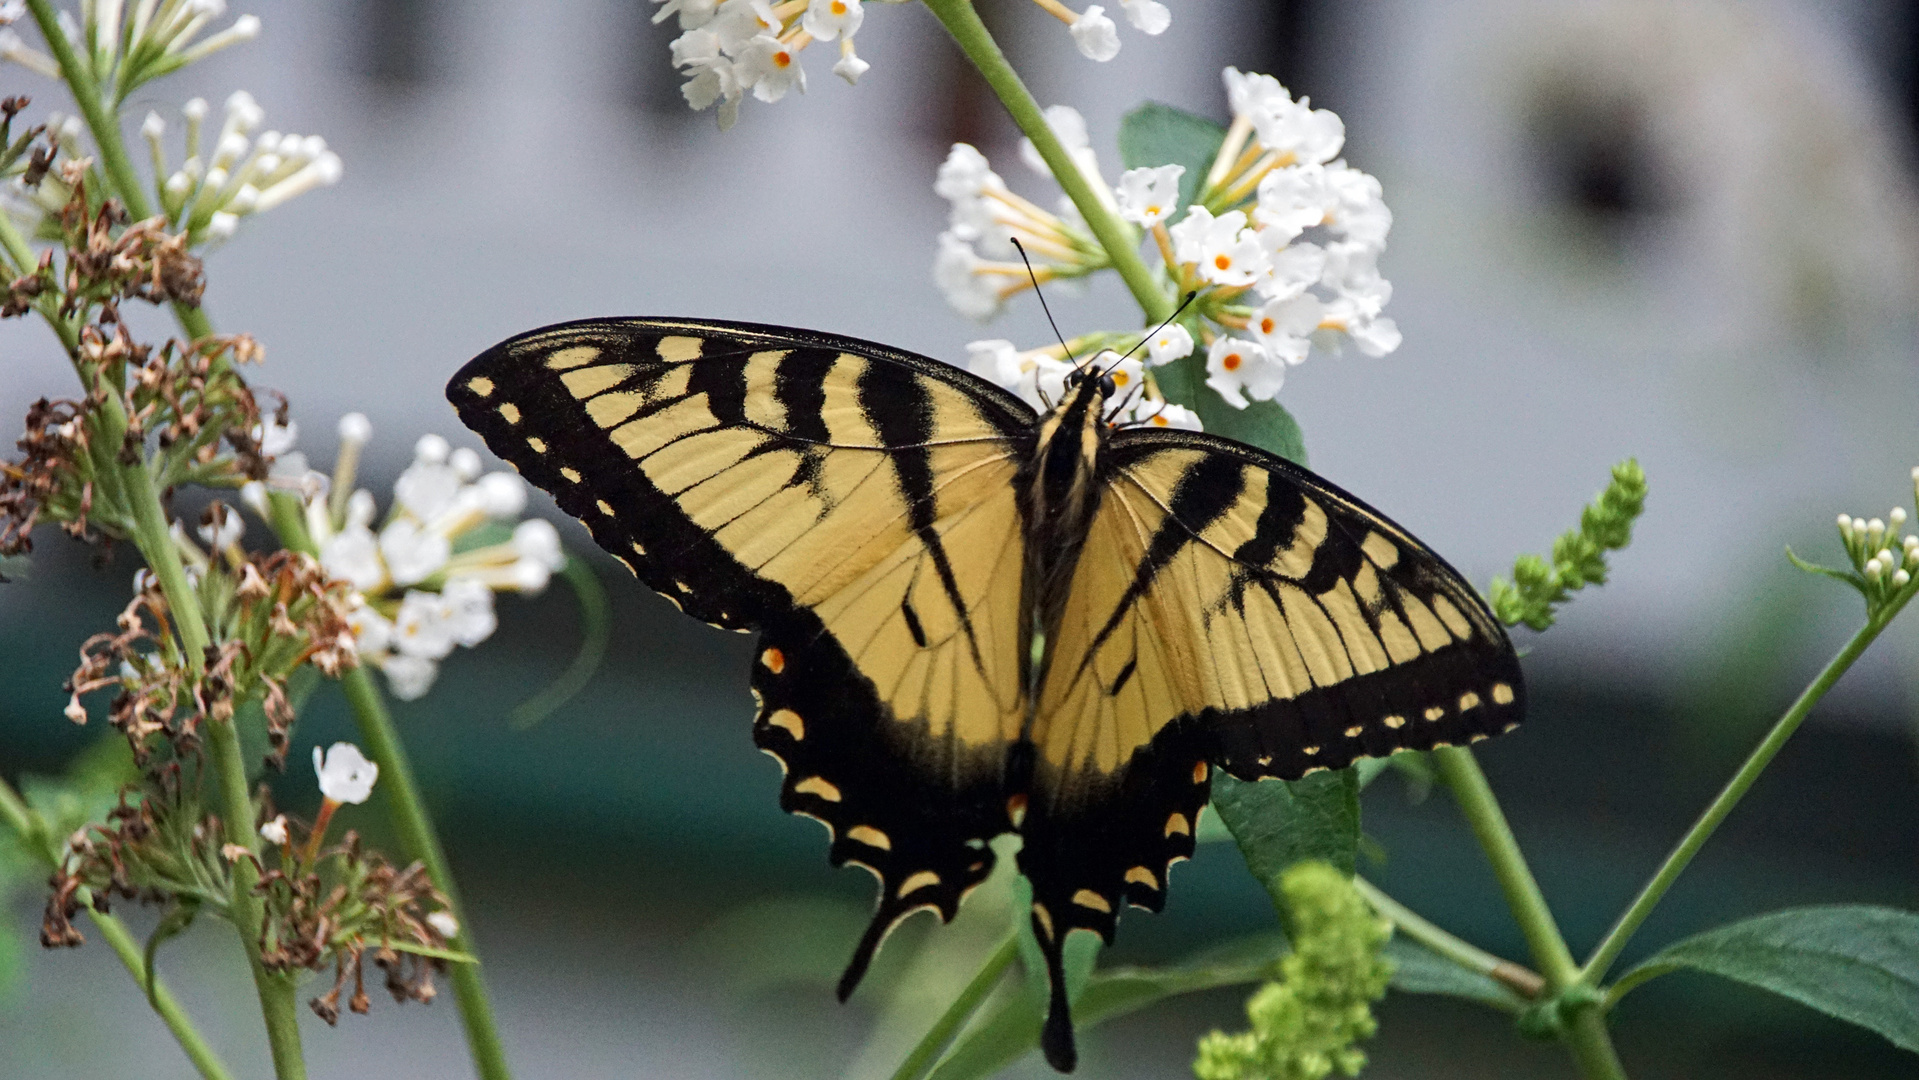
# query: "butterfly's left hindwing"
{"points": [[851, 502]]}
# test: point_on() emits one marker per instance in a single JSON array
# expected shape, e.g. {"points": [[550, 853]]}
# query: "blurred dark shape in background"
{"points": [[1679, 231]]}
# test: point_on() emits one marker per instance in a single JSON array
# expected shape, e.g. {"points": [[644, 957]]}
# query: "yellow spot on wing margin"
{"points": [[1139, 875], [1178, 824], [871, 837], [1087, 898], [1502, 694], [788, 719], [818, 785], [1044, 918], [480, 385], [678, 349], [538, 444], [510, 411], [923, 879]]}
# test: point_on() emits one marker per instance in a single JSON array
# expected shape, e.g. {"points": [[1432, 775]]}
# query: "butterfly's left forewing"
{"points": [[854, 504]]}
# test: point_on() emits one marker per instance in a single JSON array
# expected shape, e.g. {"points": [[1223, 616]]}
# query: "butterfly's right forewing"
{"points": [[854, 504]]}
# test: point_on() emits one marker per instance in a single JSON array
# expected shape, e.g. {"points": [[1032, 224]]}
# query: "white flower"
{"points": [[1251, 92], [828, 19], [1171, 342], [1357, 206], [372, 634], [1285, 326], [223, 529], [501, 495], [275, 831], [355, 428], [1148, 196], [1225, 251], [770, 67], [1291, 270], [423, 626], [1147, 16], [13, 47], [346, 776], [274, 437], [431, 484], [1165, 414], [850, 67], [1095, 34], [353, 555], [411, 551], [995, 360], [1237, 368], [965, 174], [956, 272], [468, 610], [443, 923], [409, 677]]}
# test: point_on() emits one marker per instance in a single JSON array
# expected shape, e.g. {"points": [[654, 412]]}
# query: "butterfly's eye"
{"points": [[1106, 386], [1074, 378]]}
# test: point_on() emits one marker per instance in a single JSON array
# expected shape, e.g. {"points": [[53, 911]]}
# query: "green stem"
{"points": [[1523, 980], [1642, 906], [410, 818], [961, 1010], [20, 818], [278, 1004], [1584, 1033], [1462, 774], [128, 950], [1119, 240], [105, 126]]}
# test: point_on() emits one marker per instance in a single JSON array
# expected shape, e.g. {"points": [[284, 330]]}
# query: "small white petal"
{"points": [[355, 428], [1095, 34], [345, 775], [1147, 16]]}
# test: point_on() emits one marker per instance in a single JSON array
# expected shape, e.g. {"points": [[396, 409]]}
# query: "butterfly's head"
{"points": [[1087, 382]]}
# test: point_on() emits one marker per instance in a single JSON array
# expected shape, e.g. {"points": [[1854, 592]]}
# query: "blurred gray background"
{"points": [[1683, 231]]}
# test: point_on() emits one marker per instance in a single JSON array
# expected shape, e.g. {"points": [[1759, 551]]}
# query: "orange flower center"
{"points": [[838, 7], [1231, 363], [782, 58], [1266, 326], [1224, 262]]}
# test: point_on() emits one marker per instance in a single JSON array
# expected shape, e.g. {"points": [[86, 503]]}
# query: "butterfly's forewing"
{"points": [[854, 504], [1232, 610]]}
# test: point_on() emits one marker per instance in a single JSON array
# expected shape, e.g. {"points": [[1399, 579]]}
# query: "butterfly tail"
{"points": [[876, 931], [1056, 1038]]}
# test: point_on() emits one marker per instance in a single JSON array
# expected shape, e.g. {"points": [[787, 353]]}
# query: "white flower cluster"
{"points": [[239, 174], [125, 44], [1096, 35], [1038, 376], [728, 47], [1279, 246], [1877, 550], [977, 267], [1269, 278], [426, 576]]}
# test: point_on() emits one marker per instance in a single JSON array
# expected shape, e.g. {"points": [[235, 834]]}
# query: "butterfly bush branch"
{"points": [[1888, 588], [1538, 585], [1119, 240]]}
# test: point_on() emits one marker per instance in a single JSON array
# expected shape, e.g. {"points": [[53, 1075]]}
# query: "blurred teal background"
{"points": [[1684, 231]]}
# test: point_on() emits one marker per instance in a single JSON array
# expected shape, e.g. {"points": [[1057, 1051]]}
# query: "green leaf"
{"points": [[1851, 961], [1011, 1030], [1280, 822], [1419, 970], [1265, 424], [1156, 134]]}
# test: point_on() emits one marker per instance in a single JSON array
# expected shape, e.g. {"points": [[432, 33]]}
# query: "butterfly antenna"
{"points": [[1067, 349], [1169, 321]]}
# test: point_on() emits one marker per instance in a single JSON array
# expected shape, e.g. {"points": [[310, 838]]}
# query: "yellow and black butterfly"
{"points": [[976, 620]]}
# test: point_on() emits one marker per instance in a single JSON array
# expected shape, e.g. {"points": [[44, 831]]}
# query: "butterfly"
{"points": [[976, 619]]}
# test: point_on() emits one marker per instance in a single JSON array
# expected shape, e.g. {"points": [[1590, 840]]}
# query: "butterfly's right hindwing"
{"points": [[851, 502]]}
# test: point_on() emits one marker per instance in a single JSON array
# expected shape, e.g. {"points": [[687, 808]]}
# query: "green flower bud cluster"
{"points": [[1305, 1022], [1579, 556]]}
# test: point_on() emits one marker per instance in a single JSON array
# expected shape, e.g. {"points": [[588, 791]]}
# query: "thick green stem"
{"points": [[128, 950], [1715, 813], [105, 126], [1114, 235], [17, 816], [1523, 980], [1462, 774], [960, 1011], [278, 1004], [410, 818], [1584, 1033]]}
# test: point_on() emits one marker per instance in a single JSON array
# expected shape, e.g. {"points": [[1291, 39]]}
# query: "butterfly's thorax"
{"points": [[1058, 496]]}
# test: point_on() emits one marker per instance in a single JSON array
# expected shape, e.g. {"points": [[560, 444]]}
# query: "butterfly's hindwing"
{"points": [[848, 500]]}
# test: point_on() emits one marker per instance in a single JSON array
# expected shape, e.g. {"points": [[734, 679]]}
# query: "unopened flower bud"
{"points": [[355, 428]]}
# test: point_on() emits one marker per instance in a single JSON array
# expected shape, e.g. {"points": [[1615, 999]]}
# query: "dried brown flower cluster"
{"points": [[157, 847], [333, 909], [109, 259], [270, 615], [47, 479]]}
